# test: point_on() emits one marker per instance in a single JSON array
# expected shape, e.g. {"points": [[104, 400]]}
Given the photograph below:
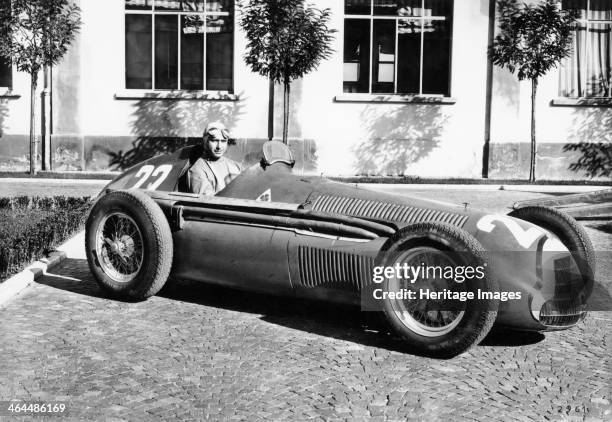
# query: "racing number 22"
{"points": [[158, 174]]}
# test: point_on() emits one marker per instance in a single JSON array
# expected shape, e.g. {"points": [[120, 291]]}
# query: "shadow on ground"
{"points": [[505, 337], [341, 322], [604, 226]]}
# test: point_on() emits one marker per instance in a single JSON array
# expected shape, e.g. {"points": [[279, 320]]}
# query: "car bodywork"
{"points": [[274, 231]]}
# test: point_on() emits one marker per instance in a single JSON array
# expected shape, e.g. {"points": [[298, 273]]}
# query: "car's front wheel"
{"points": [[128, 244], [439, 319]]}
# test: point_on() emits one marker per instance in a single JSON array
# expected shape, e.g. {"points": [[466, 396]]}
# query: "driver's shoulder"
{"points": [[231, 164], [199, 167]]}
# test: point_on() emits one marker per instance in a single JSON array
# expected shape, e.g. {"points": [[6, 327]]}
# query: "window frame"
{"points": [[422, 19], [190, 93], [10, 86], [582, 99]]}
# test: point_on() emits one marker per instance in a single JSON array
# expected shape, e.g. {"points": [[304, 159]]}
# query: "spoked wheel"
{"points": [[440, 326], [128, 244], [426, 317], [119, 247]]}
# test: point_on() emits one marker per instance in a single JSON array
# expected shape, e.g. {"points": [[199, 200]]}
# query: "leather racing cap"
{"points": [[221, 128]]}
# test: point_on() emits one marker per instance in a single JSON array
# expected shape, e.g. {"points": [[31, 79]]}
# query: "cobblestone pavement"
{"points": [[203, 352]]}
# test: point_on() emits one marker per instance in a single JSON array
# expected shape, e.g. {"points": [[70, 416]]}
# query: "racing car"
{"points": [[272, 230]]}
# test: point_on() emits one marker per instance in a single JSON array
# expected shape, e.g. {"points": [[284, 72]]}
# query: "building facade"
{"points": [[408, 91]]}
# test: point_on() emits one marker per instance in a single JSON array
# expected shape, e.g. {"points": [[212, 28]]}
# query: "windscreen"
{"points": [[276, 151]]}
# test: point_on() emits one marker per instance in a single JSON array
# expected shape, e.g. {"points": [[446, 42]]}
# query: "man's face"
{"points": [[215, 144]]}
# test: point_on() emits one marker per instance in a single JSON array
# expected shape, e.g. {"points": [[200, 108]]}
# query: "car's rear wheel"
{"points": [[128, 244], [446, 326]]}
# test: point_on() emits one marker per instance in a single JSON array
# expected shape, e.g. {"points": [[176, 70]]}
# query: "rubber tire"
{"points": [[479, 314], [571, 234], [157, 243]]}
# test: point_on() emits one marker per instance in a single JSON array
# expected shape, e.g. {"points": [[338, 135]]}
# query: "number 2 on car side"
{"points": [[525, 238]]}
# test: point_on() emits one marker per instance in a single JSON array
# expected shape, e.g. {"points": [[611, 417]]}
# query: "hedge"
{"points": [[33, 226]]}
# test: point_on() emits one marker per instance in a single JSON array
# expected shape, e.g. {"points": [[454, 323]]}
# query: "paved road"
{"points": [[202, 352], [197, 352]]}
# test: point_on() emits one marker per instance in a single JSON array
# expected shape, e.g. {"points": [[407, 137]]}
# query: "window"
{"points": [[588, 71], [397, 46], [185, 45], [6, 74]]}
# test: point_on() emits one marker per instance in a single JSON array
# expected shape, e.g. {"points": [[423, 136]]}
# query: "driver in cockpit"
{"points": [[212, 171]]}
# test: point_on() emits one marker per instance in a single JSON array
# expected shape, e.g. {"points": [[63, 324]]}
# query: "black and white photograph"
{"points": [[306, 210]]}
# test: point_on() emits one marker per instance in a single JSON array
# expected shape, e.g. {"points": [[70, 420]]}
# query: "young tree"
{"points": [[286, 39], [35, 34], [532, 39]]}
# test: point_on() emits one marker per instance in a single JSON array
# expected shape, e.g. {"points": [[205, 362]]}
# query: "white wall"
{"points": [[103, 75], [352, 137], [16, 120], [511, 111], [556, 127], [451, 135], [454, 133]]}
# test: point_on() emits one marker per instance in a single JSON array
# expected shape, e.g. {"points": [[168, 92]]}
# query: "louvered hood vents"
{"points": [[323, 267], [387, 211]]}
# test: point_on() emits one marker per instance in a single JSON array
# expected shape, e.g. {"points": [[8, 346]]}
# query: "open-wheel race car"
{"points": [[274, 231]]}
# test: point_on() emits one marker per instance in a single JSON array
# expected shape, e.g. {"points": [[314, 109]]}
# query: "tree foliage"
{"points": [[595, 158], [286, 39], [533, 38], [37, 33]]}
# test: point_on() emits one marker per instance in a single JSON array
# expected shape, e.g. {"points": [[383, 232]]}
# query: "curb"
{"points": [[597, 197], [582, 206], [400, 180], [17, 283], [48, 174]]}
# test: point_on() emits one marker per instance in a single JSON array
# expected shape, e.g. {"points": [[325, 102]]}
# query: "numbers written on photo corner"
{"points": [[16, 407], [569, 408]]}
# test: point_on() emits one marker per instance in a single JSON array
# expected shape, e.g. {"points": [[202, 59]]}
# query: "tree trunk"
{"points": [[270, 109], [45, 121], [33, 144], [287, 86], [532, 164]]}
